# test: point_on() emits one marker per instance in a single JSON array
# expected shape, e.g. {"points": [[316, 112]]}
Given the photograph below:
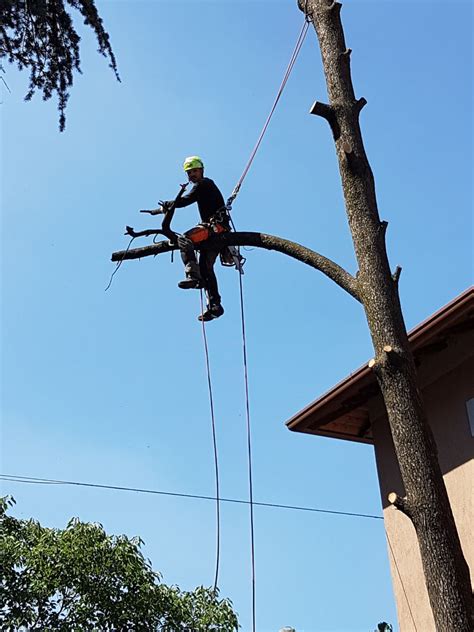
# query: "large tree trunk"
{"points": [[426, 502]]}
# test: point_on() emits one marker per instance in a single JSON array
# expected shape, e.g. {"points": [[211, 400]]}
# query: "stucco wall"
{"points": [[447, 382]]}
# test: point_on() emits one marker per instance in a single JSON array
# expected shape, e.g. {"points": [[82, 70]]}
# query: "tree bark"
{"points": [[426, 501]]}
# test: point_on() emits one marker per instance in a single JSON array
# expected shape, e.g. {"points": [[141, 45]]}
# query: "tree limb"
{"points": [[359, 104], [259, 240]]}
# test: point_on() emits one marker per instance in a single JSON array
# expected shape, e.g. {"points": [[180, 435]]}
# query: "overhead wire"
{"points": [[17, 478]]}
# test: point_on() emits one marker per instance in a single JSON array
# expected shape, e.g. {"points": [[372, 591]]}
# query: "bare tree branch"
{"points": [[327, 112], [259, 240]]}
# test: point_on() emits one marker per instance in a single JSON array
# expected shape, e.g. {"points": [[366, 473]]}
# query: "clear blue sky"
{"points": [[110, 387]]}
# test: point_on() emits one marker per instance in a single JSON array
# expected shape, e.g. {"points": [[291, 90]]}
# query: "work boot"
{"points": [[193, 279], [213, 311]]}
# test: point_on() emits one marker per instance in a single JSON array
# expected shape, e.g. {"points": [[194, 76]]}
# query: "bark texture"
{"points": [[259, 240], [426, 501]]}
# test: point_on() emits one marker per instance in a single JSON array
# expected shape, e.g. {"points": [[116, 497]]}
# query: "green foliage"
{"points": [[40, 35], [81, 579]]}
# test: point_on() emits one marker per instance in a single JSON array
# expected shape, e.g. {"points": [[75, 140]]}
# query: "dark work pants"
{"points": [[207, 258]]}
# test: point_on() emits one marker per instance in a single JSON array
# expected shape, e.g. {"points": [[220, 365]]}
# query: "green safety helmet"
{"points": [[193, 162]]}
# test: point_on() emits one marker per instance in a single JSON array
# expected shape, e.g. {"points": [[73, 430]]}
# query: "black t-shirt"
{"points": [[208, 197]]}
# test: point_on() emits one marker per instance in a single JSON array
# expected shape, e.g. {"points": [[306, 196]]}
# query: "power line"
{"points": [[50, 481]]}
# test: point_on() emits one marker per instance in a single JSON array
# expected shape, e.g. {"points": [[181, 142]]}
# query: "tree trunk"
{"points": [[426, 502]]}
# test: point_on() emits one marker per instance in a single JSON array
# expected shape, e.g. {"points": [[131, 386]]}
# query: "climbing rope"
{"points": [[249, 447], [294, 56], [119, 263], [214, 441], [401, 581]]}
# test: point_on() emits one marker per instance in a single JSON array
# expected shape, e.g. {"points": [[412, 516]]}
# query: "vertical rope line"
{"points": [[214, 441], [249, 448], [400, 578]]}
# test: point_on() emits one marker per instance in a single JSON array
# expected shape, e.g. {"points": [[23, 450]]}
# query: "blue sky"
{"points": [[110, 387]]}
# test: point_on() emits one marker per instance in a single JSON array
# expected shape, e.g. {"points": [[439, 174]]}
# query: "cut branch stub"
{"points": [[327, 112], [382, 228], [347, 147], [399, 503], [389, 356], [396, 274], [335, 6], [359, 104], [350, 155]]}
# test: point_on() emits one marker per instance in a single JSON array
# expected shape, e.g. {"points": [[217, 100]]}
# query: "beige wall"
{"points": [[447, 381]]}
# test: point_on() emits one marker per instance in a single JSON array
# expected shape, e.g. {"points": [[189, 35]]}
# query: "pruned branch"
{"points": [[388, 356], [327, 112], [382, 229], [259, 240], [399, 503], [335, 6], [396, 274], [359, 104]]}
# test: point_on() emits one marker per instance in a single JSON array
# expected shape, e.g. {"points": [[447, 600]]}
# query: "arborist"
{"points": [[214, 219]]}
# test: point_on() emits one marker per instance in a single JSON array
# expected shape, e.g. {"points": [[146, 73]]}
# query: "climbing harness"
{"points": [[203, 231], [219, 223]]}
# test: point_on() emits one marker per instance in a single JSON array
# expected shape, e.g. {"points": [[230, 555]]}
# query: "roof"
{"points": [[343, 411]]}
